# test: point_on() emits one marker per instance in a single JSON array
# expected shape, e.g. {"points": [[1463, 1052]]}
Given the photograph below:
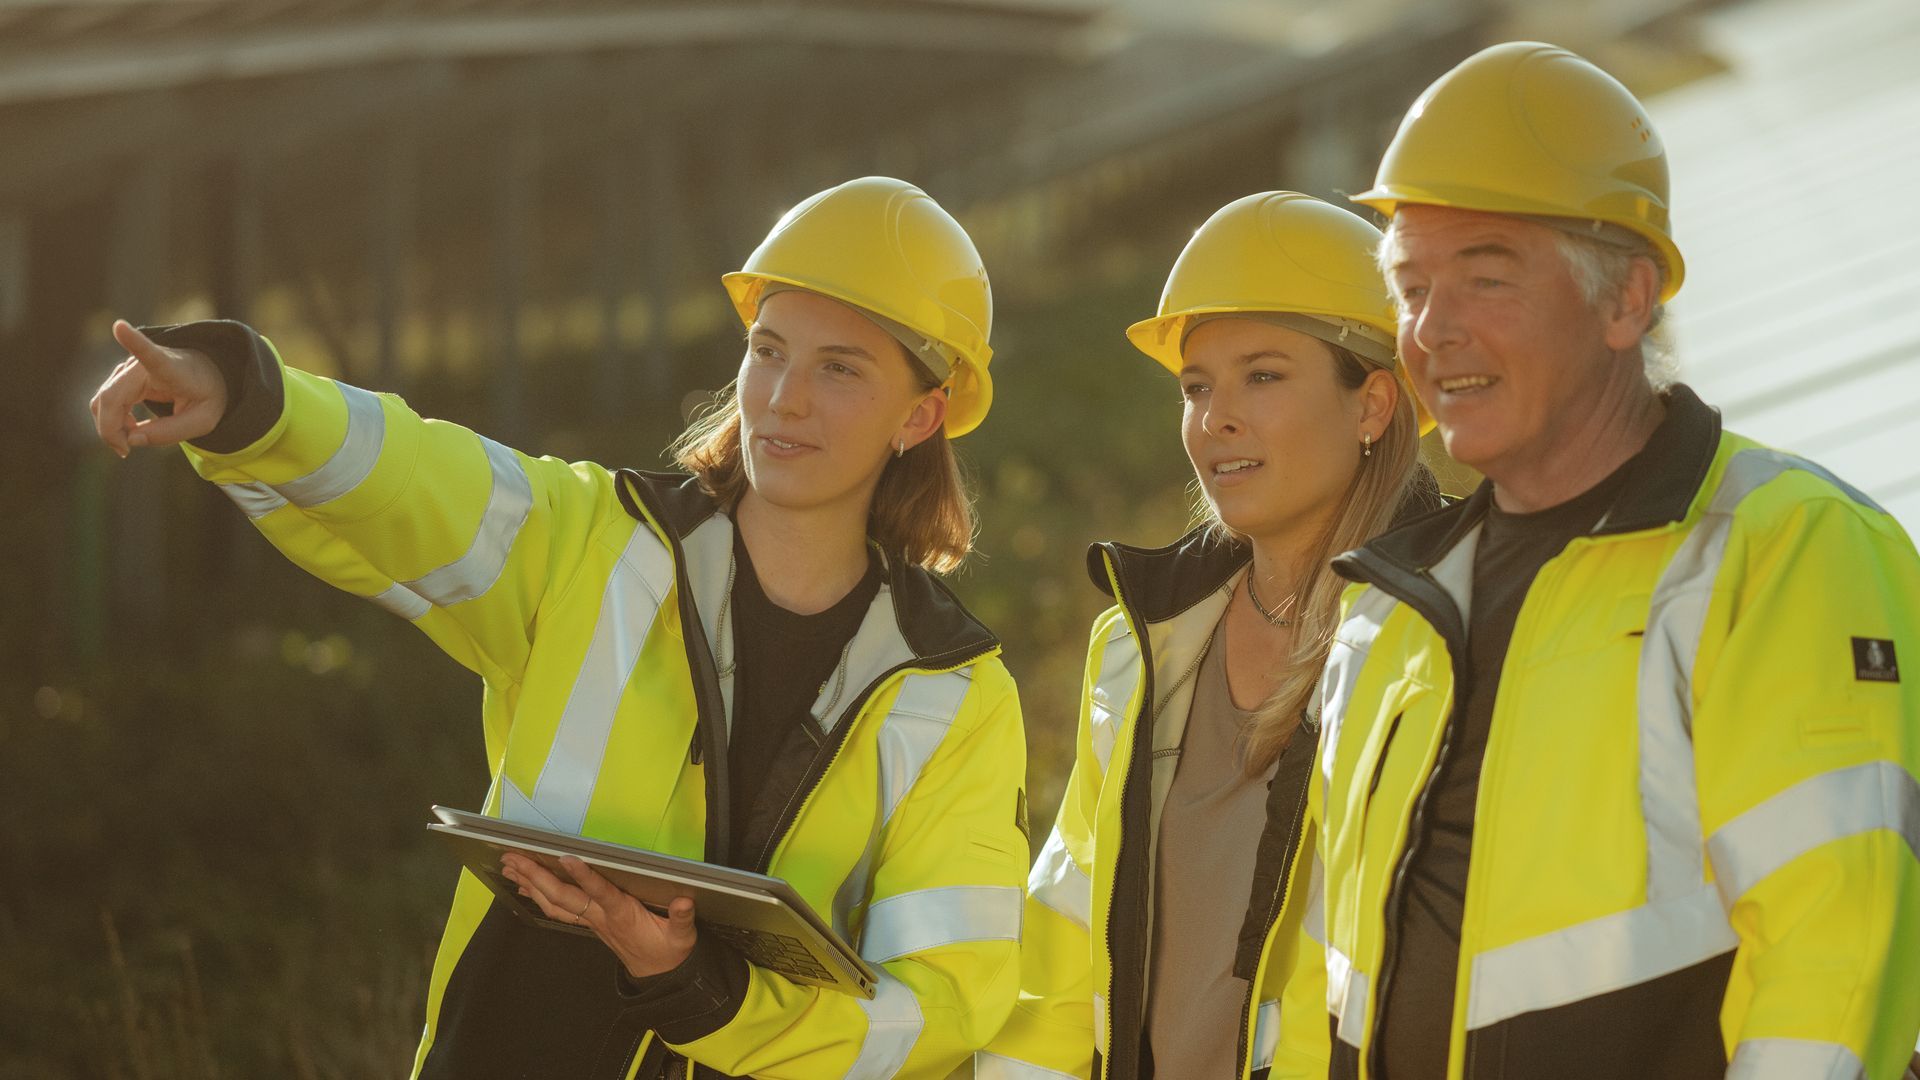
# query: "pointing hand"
{"points": [[185, 378]]}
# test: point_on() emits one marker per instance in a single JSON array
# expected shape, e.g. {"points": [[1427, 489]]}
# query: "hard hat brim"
{"points": [[969, 386], [1159, 338]]}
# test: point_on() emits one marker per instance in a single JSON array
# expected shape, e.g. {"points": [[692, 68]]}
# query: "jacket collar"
{"points": [[1163, 582], [1661, 489], [931, 620]]}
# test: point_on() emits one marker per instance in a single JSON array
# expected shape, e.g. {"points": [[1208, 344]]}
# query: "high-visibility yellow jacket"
{"points": [[1697, 822], [592, 604], [1086, 944]]}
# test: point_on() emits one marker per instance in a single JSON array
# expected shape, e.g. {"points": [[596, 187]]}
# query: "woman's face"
{"points": [[825, 396], [1272, 434]]}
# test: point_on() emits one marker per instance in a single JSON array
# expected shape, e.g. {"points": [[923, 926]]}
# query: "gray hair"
{"points": [[1600, 266], [1599, 257]]}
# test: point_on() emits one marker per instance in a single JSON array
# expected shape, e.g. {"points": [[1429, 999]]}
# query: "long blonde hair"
{"points": [[1381, 483]]}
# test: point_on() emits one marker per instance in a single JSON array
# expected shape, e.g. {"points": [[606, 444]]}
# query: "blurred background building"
{"points": [[213, 771]]}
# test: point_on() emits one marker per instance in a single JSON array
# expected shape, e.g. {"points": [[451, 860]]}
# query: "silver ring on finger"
{"points": [[584, 905]]}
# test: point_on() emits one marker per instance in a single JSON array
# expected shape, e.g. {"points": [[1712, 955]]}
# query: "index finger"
{"points": [[139, 345]]}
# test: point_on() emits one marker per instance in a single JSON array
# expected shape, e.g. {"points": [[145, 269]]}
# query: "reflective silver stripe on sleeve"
{"points": [[635, 590], [1816, 811], [1346, 996], [893, 1027], [1794, 1059], [995, 1067], [352, 462], [1351, 644], [1113, 691], [914, 922], [1597, 957], [1765, 463], [1057, 882], [256, 500], [508, 504], [1266, 1035], [922, 714], [402, 601]]}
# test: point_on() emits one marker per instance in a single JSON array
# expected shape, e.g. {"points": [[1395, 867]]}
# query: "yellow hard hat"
{"points": [[1529, 128], [1287, 257], [882, 245]]}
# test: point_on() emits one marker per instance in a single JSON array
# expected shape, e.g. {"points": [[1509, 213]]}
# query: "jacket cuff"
{"points": [[255, 393], [694, 1000]]}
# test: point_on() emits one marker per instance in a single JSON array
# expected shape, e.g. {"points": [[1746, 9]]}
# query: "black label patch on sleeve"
{"points": [[1874, 661]]}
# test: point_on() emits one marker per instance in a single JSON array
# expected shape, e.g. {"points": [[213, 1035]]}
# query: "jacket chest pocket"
{"points": [[1395, 759], [1375, 749]]}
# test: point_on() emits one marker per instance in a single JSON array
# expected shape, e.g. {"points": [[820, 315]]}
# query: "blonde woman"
{"points": [[753, 662], [1176, 876]]}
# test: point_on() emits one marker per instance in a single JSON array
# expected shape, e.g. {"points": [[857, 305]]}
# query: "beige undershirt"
{"points": [[1209, 834]]}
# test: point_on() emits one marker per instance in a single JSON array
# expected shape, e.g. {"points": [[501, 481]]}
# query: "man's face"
{"points": [[1495, 334]]}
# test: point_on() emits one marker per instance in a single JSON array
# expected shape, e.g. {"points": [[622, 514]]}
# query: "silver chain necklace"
{"points": [[1277, 618]]}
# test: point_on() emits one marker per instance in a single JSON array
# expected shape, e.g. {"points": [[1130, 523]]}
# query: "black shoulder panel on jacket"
{"points": [[1165, 581], [676, 498], [933, 620], [1668, 473]]}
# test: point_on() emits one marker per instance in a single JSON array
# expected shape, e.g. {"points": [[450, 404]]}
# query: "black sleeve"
{"points": [[255, 396], [695, 999]]}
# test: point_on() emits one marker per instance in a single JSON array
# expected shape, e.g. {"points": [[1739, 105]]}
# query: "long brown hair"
{"points": [[1381, 483], [922, 510]]}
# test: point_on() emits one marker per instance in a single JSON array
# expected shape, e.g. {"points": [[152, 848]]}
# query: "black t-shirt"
{"points": [[781, 662], [1418, 1010]]}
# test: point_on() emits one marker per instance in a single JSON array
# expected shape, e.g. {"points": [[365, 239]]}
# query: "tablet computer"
{"points": [[758, 915]]}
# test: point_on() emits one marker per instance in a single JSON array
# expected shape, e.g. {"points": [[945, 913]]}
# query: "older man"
{"points": [[1618, 767]]}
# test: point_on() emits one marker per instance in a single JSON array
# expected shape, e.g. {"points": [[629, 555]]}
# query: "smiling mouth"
{"points": [[783, 444], [1238, 465], [1465, 384]]}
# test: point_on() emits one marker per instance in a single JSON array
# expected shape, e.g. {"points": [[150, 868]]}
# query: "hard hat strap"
{"points": [[1602, 232]]}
